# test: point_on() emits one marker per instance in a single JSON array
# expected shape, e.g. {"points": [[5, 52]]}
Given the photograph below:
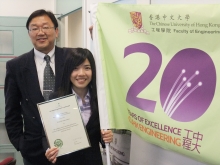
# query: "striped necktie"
{"points": [[49, 79]]}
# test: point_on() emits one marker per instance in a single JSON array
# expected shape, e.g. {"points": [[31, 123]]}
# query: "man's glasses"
{"points": [[44, 29]]}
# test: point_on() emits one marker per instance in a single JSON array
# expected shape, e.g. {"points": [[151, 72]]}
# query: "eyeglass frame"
{"points": [[40, 28]]}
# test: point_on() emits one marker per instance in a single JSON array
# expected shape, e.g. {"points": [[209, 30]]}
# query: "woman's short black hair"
{"points": [[42, 12]]}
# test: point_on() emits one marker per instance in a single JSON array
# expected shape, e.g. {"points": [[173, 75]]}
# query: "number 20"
{"points": [[145, 79]]}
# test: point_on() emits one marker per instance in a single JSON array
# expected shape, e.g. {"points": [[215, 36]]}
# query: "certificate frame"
{"points": [[63, 124]]}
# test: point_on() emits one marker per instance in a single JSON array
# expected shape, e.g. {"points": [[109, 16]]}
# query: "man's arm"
{"points": [[13, 118]]}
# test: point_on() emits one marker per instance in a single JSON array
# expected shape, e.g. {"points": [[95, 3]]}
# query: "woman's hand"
{"points": [[51, 154], [107, 136]]}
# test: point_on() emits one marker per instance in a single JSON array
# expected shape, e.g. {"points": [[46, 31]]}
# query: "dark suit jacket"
{"points": [[22, 93], [88, 156]]}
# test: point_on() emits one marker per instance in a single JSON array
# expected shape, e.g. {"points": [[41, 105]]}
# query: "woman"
{"points": [[79, 77]]}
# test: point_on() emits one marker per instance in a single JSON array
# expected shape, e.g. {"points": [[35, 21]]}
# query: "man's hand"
{"points": [[90, 30]]}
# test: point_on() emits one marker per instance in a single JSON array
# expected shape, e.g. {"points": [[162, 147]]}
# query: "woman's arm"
{"points": [[51, 154]]}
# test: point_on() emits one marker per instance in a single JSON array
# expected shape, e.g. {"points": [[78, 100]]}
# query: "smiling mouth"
{"points": [[41, 39], [81, 80]]}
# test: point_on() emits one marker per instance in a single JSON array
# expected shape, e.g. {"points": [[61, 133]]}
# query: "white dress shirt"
{"points": [[41, 63], [85, 108]]}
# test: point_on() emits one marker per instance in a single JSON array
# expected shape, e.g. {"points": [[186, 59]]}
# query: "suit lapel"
{"points": [[94, 118], [30, 77], [59, 65]]}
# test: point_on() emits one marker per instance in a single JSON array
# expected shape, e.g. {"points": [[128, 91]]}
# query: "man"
{"points": [[24, 87]]}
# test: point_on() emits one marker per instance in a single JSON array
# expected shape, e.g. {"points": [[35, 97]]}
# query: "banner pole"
{"points": [[107, 154], [103, 113]]}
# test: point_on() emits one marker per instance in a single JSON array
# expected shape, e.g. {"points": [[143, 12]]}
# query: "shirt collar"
{"points": [[39, 56], [87, 94]]}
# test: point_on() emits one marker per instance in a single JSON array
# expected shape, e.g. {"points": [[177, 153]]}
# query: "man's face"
{"points": [[42, 33]]}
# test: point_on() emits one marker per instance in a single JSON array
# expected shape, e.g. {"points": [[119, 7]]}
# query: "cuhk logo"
{"points": [[137, 22]]}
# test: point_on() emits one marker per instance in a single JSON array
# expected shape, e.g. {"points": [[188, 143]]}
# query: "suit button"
{"points": [[26, 99], [33, 117]]}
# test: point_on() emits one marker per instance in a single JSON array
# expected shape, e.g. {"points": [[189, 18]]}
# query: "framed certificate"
{"points": [[63, 124]]}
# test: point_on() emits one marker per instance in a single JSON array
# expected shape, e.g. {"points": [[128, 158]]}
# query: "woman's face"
{"points": [[81, 76]]}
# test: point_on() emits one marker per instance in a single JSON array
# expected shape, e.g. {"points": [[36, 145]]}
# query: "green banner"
{"points": [[161, 68]]}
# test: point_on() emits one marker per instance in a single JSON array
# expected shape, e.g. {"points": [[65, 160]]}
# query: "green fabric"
{"points": [[173, 30]]}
